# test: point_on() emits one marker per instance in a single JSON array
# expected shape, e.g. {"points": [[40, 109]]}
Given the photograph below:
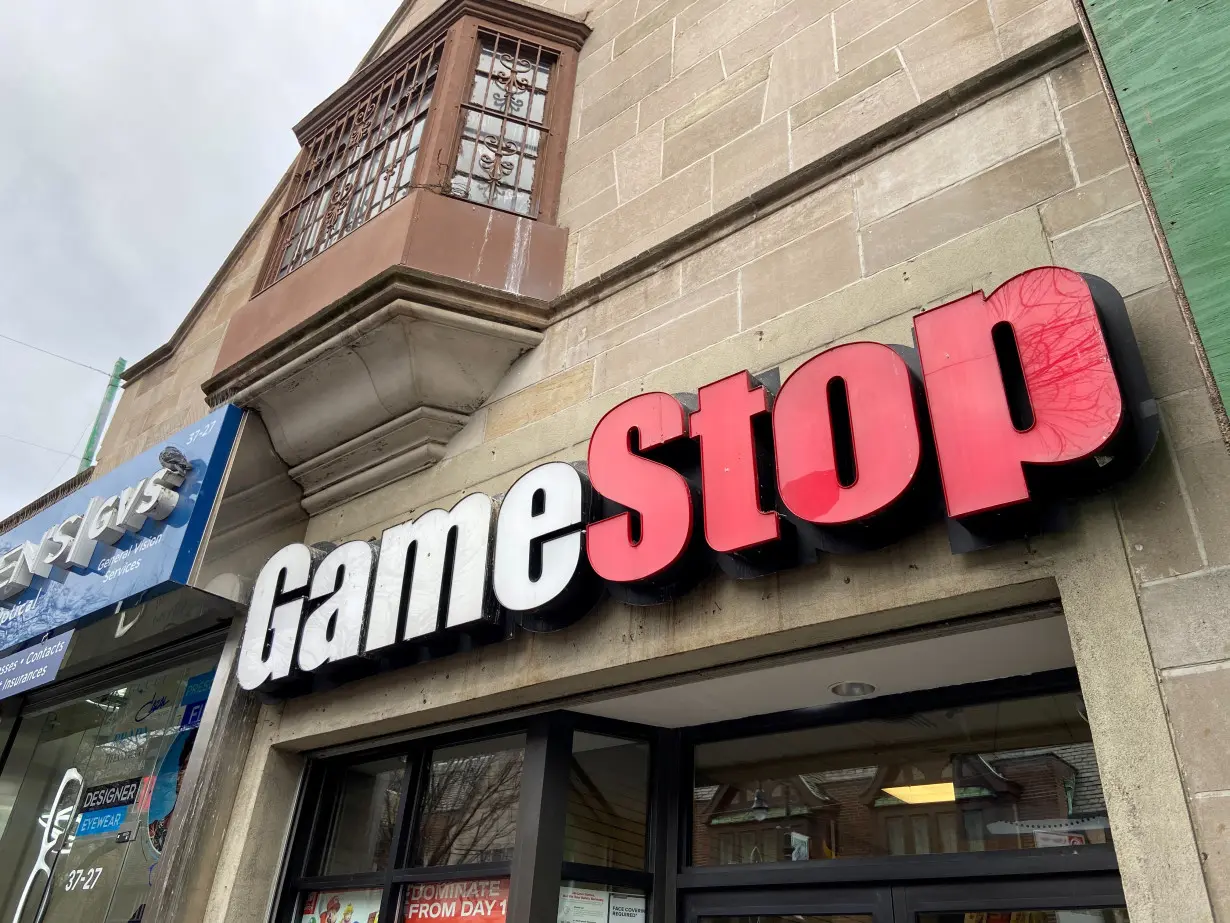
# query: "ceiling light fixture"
{"points": [[852, 689], [929, 793]]}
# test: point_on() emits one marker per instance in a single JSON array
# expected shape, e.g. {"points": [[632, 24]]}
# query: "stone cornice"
{"points": [[392, 292]]}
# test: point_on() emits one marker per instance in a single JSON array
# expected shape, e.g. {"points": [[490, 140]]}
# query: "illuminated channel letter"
{"points": [[272, 630], [646, 543], [410, 577], [1023, 382], [334, 630], [730, 479], [541, 574], [848, 445]]}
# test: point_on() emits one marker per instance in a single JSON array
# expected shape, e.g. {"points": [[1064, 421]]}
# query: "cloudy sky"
{"points": [[138, 138]]}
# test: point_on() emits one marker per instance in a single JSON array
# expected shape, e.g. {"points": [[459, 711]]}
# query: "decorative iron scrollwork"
{"points": [[337, 207], [515, 80], [501, 161], [362, 125]]}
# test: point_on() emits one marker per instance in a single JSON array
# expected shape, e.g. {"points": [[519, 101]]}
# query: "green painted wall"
{"points": [[1169, 64]]}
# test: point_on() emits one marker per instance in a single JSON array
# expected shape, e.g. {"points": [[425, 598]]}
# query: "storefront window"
{"points": [[1019, 774], [357, 833], [608, 802], [474, 900], [90, 790], [426, 833], [470, 805]]}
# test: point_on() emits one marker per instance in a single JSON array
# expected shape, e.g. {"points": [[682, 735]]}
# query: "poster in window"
{"points": [[475, 900], [359, 906], [597, 905], [582, 905], [627, 908]]}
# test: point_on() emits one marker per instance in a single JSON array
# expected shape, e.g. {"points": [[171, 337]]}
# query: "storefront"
{"points": [[927, 775], [720, 461], [110, 664]]}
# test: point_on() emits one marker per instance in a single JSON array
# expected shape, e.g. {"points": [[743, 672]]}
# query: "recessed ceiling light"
{"points": [[851, 689]]}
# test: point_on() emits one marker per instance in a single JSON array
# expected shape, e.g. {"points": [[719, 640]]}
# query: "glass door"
{"points": [[812, 905], [1084, 899]]}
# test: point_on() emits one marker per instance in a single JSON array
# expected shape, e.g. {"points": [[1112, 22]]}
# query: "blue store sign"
{"points": [[127, 536]]}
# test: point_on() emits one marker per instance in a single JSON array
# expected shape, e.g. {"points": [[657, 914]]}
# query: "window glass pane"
{"points": [[343, 162], [92, 787], [508, 99], [356, 822], [585, 902], [470, 806], [358, 906], [1007, 775], [799, 918], [608, 802], [474, 900]]}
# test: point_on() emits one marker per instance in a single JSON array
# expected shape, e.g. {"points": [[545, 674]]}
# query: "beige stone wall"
{"points": [[686, 106]]}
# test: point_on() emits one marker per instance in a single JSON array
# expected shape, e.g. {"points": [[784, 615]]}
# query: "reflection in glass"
{"points": [[1007, 775], [795, 918], [608, 791], [469, 811], [90, 789], [1109, 915], [357, 826]]}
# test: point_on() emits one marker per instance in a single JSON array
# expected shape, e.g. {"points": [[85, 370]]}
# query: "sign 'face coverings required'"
{"points": [[1007, 406]]}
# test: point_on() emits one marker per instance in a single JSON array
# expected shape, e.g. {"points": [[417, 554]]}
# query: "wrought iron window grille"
{"points": [[473, 104]]}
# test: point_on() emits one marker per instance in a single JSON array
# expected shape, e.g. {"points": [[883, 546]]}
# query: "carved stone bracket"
{"points": [[373, 389]]}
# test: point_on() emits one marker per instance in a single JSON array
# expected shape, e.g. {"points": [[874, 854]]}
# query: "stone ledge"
{"points": [[372, 388]]}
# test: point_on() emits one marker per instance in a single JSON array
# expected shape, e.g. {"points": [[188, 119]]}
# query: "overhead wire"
{"points": [[45, 448], [47, 352], [55, 478]]}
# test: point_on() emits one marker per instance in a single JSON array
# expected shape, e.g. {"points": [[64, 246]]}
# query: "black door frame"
{"points": [[895, 903], [877, 903]]}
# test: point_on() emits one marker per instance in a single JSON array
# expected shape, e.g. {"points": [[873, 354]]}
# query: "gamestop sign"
{"points": [[1006, 407]]}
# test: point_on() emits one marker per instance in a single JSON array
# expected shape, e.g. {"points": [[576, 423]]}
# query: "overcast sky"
{"points": [[138, 138]]}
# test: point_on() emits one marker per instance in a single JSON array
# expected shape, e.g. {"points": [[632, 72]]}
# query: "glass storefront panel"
{"points": [[90, 789], [608, 802], [357, 832], [469, 812], [1018, 774]]}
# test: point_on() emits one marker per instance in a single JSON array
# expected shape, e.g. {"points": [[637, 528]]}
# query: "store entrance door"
{"points": [[1080, 899]]}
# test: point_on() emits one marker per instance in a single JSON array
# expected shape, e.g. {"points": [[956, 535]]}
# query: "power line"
{"points": [[55, 478], [35, 445], [46, 352]]}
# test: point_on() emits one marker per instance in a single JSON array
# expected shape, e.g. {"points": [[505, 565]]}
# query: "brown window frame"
{"points": [[457, 26]]}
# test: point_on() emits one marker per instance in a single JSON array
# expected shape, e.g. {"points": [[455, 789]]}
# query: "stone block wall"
{"points": [[686, 106]]}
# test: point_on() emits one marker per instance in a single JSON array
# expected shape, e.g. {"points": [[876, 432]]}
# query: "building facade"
{"points": [[599, 560]]}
